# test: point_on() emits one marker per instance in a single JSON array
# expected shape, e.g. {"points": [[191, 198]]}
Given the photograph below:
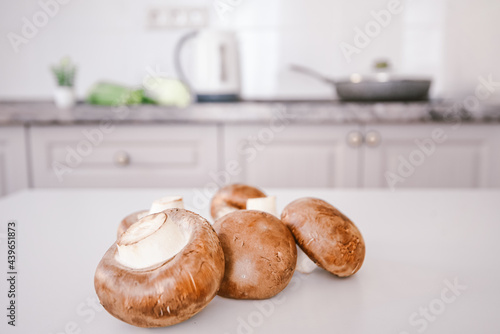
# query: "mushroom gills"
{"points": [[153, 240]]}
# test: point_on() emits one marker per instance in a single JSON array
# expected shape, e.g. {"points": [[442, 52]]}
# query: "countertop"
{"points": [[431, 265], [45, 113]]}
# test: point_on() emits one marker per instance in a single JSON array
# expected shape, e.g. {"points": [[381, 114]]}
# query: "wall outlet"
{"points": [[177, 17]]}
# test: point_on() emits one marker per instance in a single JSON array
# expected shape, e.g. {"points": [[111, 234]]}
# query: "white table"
{"points": [[418, 243]]}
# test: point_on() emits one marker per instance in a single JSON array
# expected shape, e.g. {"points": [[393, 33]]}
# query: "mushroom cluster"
{"points": [[168, 263]]}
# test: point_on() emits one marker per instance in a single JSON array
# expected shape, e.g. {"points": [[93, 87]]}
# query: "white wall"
{"points": [[454, 41]]}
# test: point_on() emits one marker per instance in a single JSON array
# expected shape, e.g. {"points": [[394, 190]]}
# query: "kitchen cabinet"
{"points": [[123, 156], [13, 159], [392, 156], [293, 155], [380, 156], [435, 155]]}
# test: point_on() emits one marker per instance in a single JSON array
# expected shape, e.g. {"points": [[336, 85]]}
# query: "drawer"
{"points": [[123, 156], [13, 164]]}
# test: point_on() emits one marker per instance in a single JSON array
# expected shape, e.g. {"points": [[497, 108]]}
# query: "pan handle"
{"points": [[311, 73]]}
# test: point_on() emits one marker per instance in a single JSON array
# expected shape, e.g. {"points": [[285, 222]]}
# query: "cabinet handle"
{"points": [[122, 159], [373, 139], [355, 139]]}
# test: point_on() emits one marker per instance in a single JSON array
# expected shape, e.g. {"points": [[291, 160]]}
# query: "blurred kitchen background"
{"points": [[452, 41], [324, 142]]}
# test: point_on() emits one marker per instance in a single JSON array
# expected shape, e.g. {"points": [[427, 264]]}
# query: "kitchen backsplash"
{"points": [[454, 41]]}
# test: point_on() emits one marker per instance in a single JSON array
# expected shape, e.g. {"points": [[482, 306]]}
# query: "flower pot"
{"points": [[64, 97]]}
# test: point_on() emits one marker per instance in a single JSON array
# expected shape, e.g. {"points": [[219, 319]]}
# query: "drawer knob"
{"points": [[122, 159], [372, 139], [355, 139]]}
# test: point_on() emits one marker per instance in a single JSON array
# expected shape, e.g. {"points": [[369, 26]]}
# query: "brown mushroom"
{"points": [[163, 270], [232, 198], [260, 254], [327, 236], [169, 202]]}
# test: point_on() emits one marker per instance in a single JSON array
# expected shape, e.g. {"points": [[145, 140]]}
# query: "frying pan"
{"points": [[377, 87]]}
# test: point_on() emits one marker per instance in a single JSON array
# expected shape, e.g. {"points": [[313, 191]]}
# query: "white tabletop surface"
{"points": [[418, 244]]}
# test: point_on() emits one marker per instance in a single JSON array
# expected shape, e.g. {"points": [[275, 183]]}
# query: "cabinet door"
{"points": [[13, 166], [438, 155], [294, 156], [123, 156]]}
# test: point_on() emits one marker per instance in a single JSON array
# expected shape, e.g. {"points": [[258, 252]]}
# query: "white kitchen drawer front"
{"points": [[13, 164], [123, 156], [432, 156], [294, 156]]}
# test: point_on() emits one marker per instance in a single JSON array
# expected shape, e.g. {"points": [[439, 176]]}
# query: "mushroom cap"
{"points": [[168, 293], [260, 254], [231, 198], [327, 236], [129, 220]]}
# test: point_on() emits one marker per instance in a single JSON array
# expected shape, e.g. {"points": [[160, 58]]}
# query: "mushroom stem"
{"points": [[168, 202], [304, 264], [154, 239], [266, 204]]}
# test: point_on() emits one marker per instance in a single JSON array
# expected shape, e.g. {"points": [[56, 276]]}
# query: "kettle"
{"points": [[216, 75]]}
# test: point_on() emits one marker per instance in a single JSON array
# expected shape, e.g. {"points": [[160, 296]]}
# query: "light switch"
{"points": [[177, 17]]}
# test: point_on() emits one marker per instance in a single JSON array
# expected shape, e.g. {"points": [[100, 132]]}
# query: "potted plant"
{"points": [[64, 72]]}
